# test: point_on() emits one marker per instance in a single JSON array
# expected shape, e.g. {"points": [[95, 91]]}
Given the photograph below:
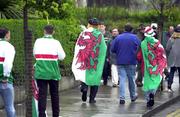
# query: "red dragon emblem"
{"points": [[157, 59], [88, 56]]}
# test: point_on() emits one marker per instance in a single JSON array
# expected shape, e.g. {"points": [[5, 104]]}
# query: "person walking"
{"points": [[7, 54], [139, 79], [125, 46], [107, 67], [88, 61], [113, 61], [47, 51], [154, 64], [173, 50]]}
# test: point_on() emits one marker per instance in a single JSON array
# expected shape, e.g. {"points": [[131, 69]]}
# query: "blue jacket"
{"points": [[125, 46]]}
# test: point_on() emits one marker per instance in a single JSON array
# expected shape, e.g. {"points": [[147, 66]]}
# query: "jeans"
{"points": [[7, 94], [42, 100], [171, 75], [127, 71]]}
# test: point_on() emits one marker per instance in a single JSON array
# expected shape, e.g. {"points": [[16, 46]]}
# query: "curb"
{"points": [[161, 107]]}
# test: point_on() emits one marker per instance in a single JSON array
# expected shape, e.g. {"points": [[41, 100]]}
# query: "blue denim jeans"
{"points": [[127, 72], [7, 94]]}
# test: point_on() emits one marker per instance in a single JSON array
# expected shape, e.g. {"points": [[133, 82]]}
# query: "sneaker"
{"points": [[115, 85], [84, 96], [122, 102], [92, 101], [133, 100], [170, 90], [139, 84]]}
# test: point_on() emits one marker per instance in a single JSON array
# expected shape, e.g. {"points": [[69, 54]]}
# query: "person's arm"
{"points": [[9, 59], [60, 51], [112, 48], [169, 45]]}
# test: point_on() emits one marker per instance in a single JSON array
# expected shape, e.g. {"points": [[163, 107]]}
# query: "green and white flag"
{"points": [[89, 57], [34, 98]]}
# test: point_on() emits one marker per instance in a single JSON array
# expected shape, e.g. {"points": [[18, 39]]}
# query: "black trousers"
{"points": [[42, 99], [106, 72], [171, 75], [93, 90]]}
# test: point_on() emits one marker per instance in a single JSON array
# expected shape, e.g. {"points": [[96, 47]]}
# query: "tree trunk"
{"points": [[28, 62]]}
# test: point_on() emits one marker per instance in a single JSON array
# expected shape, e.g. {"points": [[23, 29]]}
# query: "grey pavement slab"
{"points": [[107, 104]]}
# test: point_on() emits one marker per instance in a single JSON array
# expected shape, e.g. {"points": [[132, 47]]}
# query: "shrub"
{"points": [[66, 32]]}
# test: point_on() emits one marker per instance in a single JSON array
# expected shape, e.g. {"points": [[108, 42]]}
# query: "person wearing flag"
{"points": [[7, 54], [47, 51], [154, 63], [89, 57]]}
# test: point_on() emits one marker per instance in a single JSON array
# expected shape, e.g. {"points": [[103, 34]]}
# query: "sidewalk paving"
{"points": [[107, 103]]}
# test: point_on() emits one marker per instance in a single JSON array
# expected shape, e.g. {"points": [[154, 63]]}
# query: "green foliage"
{"points": [[54, 9], [66, 31], [117, 17], [9, 9]]}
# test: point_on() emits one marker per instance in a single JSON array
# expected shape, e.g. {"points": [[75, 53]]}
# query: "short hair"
{"points": [[128, 27], [93, 21], [3, 32], [49, 29]]}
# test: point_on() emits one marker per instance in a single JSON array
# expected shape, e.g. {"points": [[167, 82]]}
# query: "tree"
{"points": [[9, 9], [162, 6], [56, 9]]}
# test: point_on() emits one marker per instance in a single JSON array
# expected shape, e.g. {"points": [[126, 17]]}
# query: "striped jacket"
{"points": [[7, 53], [47, 51]]}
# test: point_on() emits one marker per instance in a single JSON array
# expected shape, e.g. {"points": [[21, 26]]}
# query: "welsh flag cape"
{"points": [[35, 91], [34, 98], [154, 63], [89, 57]]}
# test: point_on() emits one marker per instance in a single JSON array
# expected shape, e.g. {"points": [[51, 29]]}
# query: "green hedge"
{"points": [[66, 32], [118, 17]]}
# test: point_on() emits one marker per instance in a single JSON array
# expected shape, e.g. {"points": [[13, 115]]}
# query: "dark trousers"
{"points": [[139, 75], [93, 90], [42, 99], [106, 72], [171, 75]]}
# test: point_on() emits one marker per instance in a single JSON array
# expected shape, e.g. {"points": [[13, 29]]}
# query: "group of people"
{"points": [[124, 51], [47, 51]]}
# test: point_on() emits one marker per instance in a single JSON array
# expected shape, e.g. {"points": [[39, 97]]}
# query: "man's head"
{"points": [[149, 32], [5, 33], [94, 22], [171, 29], [115, 32], [49, 30], [128, 27]]}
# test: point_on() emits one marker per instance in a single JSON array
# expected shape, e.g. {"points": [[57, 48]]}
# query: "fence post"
{"points": [[28, 62]]}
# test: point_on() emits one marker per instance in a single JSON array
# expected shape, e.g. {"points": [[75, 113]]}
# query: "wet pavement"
{"points": [[171, 111], [107, 103]]}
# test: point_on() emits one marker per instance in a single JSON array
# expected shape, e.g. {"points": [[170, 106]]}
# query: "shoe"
{"points": [[133, 100], [92, 101], [150, 103], [139, 84], [84, 96], [122, 102], [104, 82], [170, 90], [115, 85]]}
